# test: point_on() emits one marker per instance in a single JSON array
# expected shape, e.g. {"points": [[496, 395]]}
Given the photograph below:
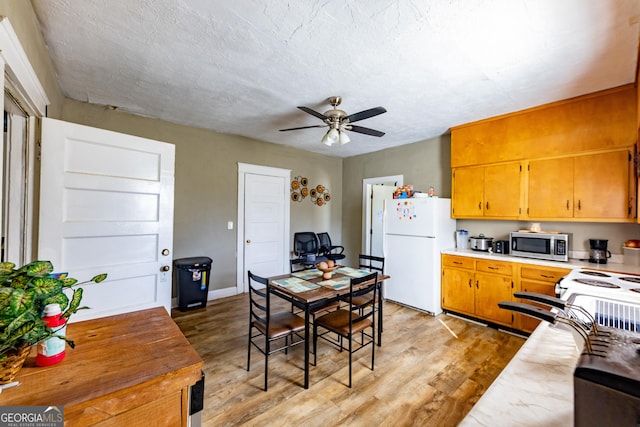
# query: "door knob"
{"points": [[165, 268]]}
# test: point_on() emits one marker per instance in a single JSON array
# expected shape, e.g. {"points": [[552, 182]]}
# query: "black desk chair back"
{"points": [[266, 327], [350, 323], [307, 248], [328, 250]]}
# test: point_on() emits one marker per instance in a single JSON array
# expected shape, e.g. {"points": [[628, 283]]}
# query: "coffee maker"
{"points": [[598, 252]]}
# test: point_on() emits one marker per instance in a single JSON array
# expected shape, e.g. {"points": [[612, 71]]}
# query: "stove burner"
{"points": [[598, 283], [594, 273], [630, 279]]}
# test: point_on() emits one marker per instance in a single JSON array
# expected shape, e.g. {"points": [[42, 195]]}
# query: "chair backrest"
{"points": [[259, 300], [371, 263], [368, 291], [297, 264], [325, 242], [305, 243]]}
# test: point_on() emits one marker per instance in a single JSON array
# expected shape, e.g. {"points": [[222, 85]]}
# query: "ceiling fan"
{"points": [[338, 122]]}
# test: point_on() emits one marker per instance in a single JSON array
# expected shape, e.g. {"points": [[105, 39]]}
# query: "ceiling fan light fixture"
{"points": [[326, 140], [331, 137], [344, 138]]}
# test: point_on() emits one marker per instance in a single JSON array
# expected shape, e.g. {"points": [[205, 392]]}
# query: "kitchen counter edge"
{"points": [[571, 264]]}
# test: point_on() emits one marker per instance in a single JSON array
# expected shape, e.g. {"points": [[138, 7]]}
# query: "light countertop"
{"points": [[536, 387]]}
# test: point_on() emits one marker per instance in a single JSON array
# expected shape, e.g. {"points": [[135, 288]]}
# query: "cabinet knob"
{"points": [[579, 205], [567, 205], [470, 283], [487, 205], [477, 284]]}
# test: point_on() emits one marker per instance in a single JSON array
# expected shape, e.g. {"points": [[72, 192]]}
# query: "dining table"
{"points": [[307, 290]]}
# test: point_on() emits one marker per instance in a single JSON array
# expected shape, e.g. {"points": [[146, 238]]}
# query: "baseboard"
{"points": [[212, 295]]}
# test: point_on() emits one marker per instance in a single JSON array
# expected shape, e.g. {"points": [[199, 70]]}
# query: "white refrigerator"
{"points": [[416, 230]]}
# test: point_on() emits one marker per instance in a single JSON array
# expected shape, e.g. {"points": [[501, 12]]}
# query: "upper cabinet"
{"points": [[599, 121], [597, 186], [575, 161], [491, 191]]}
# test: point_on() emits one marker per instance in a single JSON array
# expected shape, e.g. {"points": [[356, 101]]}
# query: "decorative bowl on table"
{"points": [[327, 270]]}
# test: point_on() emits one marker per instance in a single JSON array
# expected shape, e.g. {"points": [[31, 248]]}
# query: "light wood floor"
{"points": [[423, 375]]}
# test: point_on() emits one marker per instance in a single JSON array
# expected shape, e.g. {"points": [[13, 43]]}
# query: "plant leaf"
{"points": [[68, 282], [74, 304], [37, 268], [46, 286], [99, 278], [61, 298], [21, 301]]}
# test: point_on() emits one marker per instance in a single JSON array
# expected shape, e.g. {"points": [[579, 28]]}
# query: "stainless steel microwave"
{"points": [[549, 246]]}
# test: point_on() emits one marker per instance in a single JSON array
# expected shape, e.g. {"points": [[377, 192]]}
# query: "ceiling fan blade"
{"points": [[313, 113], [364, 130], [365, 114], [303, 127]]}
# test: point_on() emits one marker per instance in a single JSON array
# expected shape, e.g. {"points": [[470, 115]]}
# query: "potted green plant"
{"points": [[24, 292]]}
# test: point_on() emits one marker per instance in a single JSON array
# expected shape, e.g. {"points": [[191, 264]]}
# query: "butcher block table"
{"points": [[132, 369]]}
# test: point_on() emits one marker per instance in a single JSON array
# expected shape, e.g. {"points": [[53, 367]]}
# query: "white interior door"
{"points": [[263, 223], [106, 206]]}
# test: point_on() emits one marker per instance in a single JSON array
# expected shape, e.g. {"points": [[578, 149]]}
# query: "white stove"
{"points": [[613, 299]]}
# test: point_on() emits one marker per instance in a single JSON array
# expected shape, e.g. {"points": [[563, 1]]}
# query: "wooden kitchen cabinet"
{"points": [[540, 279], [491, 191], [475, 287], [570, 187], [598, 121]]}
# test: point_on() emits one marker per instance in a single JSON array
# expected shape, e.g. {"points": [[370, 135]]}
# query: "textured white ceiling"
{"points": [[242, 66]]}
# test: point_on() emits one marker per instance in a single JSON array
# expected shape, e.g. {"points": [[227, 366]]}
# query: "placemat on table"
{"points": [[353, 272], [341, 283], [308, 274], [295, 284]]}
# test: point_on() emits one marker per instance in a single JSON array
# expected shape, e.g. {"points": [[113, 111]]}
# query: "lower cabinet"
{"points": [[540, 279], [475, 287]]}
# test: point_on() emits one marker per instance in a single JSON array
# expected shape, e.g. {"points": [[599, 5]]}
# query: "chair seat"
{"points": [[338, 322], [329, 306], [360, 301], [281, 324]]}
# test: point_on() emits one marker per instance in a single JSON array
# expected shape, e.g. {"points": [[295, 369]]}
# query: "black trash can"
{"points": [[192, 281]]}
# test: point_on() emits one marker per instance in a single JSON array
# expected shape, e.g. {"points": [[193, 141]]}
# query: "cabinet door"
{"points": [[490, 290], [468, 192], [502, 190], [527, 323], [602, 185], [458, 290], [550, 188]]}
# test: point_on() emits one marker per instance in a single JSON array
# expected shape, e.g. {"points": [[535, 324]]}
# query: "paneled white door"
{"points": [[263, 212], [379, 193], [106, 206]]}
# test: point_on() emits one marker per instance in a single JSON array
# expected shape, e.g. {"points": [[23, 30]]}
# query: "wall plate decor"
{"points": [[320, 195], [299, 188]]}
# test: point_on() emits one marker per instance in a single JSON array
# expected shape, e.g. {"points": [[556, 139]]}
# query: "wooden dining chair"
{"points": [[371, 263], [266, 327], [349, 323]]}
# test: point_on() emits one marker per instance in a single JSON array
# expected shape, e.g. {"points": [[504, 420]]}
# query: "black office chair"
{"points": [[347, 323], [271, 326], [306, 247], [328, 250]]}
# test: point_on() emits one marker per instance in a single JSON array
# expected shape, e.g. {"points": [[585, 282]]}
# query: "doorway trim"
{"points": [[243, 169], [366, 205]]}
